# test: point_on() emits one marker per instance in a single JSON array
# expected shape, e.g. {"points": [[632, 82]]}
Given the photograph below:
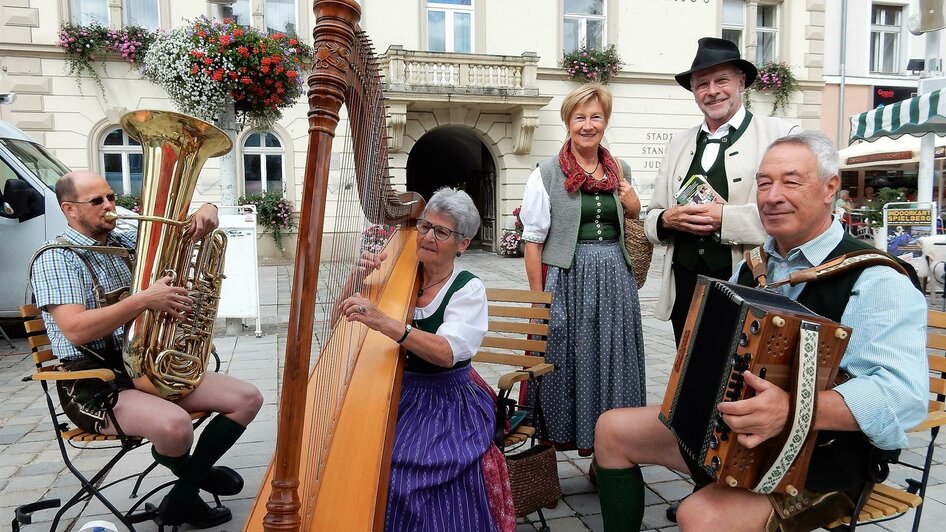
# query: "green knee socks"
{"points": [[621, 492]]}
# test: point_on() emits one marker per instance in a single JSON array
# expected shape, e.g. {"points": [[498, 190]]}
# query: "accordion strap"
{"points": [[757, 259], [805, 383]]}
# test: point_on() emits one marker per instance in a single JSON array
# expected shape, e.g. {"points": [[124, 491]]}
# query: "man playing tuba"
{"points": [[78, 291]]}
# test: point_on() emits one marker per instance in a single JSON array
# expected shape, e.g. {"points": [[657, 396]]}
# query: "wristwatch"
{"points": [[407, 330]]}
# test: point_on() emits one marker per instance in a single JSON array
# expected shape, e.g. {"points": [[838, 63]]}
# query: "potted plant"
{"points": [[586, 65], [510, 245], [775, 78], [86, 44], [273, 213], [207, 65]]}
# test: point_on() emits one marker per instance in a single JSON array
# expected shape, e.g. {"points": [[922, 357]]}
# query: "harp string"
{"points": [[356, 227]]}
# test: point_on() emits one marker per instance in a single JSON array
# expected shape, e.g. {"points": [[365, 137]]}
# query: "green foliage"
{"points": [[875, 209], [86, 44], [273, 212], [589, 65], [777, 79], [129, 201]]}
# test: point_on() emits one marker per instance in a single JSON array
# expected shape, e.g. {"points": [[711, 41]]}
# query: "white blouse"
{"points": [[465, 319], [535, 213]]}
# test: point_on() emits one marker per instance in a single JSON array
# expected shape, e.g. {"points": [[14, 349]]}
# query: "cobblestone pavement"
{"points": [[31, 467]]}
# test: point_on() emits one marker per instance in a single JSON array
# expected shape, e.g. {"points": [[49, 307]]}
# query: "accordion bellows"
{"points": [[730, 329]]}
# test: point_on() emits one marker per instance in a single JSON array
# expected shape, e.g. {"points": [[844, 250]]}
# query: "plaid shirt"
{"points": [[60, 277]]}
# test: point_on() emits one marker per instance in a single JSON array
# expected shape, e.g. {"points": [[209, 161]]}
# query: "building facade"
{"points": [[474, 86], [873, 58]]}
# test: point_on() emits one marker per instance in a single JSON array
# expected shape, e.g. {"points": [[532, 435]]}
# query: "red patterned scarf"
{"points": [[576, 177]]}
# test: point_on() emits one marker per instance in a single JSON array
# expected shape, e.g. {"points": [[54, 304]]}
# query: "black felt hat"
{"points": [[711, 52]]}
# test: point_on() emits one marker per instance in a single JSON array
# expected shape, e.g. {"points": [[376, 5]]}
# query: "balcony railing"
{"points": [[441, 72]]}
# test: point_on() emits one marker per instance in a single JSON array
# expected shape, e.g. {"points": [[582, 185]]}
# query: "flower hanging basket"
{"points": [[587, 65], [207, 65], [777, 79]]}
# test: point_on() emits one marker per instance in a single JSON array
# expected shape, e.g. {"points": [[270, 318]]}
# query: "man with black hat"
{"points": [[726, 147]]}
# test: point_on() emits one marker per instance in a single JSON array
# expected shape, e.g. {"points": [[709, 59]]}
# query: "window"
{"points": [[281, 16], [240, 11], [885, 39], [86, 12], [450, 26], [584, 25], [734, 21], [766, 33], [142, 13], [121, 162], [262, 163]]}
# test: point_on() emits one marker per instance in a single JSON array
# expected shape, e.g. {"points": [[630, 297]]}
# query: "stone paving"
{"points": [[31, 467]]}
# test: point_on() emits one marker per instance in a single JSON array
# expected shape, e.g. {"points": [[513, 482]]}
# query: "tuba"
{"points": [[164, 356]]}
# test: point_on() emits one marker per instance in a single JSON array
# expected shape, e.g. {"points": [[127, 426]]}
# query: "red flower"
{"points": [[246, 80]]}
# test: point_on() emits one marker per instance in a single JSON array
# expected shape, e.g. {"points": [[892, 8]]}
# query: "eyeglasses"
{"points": [[97, 201], [441, 233], [720, 82]]}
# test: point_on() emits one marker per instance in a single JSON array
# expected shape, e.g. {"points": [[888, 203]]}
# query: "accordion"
{"points": [[730, 329]]}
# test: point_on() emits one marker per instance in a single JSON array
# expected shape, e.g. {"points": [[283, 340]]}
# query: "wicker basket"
{"points": [[639, 248], [533, 479]]}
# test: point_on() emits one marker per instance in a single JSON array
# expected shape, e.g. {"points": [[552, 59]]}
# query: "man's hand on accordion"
{"points": [[759, 417]]}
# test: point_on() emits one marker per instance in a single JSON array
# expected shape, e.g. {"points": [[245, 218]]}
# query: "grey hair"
{"points": [[820, 146], [458, 206]]}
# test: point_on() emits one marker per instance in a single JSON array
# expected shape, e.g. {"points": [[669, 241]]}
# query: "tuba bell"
{"points": [[164, 356]]}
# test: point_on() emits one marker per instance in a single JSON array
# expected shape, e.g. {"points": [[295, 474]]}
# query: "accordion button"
{"points": [[714, 443], [755, 326], [743, 339], [715, 463]]}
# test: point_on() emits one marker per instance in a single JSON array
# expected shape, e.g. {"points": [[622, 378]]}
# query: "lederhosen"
{"points": [[842, 461], [86, 401]]}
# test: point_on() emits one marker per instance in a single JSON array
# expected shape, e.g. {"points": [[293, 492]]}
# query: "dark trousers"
{"points": [[684, 280]]}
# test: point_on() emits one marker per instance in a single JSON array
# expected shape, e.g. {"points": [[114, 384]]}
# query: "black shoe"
{"points": [[191, 509], [221, 480], [672, 511]]}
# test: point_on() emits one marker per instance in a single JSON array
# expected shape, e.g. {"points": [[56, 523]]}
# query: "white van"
{"points": [[29, 212]]}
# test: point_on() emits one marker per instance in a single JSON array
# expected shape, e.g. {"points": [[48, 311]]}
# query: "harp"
{"points": [[336, 423]]}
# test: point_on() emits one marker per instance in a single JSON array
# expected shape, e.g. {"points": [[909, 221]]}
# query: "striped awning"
{"points": [[916, 116]]}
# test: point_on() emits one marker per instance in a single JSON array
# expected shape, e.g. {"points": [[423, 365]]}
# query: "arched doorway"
{"points": [[456, 157]]}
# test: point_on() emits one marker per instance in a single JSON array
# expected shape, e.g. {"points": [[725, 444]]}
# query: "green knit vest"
{"points": [[690, 249]]}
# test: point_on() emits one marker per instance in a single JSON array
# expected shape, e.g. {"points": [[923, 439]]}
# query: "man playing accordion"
{"points": [[867, 415]]}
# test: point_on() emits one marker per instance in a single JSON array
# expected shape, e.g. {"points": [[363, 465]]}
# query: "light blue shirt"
{"points": [[886, 356]]}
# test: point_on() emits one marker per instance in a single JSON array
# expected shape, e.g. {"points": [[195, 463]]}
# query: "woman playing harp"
{"points": [[443, 454]]}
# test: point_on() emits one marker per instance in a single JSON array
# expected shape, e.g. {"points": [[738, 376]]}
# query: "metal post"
{"points": [[227, 122], [843, 74], [931, 69]]}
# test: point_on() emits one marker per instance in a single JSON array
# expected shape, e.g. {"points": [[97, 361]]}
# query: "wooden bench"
{"points": [[887, 502]]}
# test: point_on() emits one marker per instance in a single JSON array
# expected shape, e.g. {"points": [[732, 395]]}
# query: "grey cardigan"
{"points": [[559, 247]]}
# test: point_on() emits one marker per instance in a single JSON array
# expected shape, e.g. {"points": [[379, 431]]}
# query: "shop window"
{"points": [[450, 26], [262, 163], [734, 21], [121, 161], [766, 35], [885, 32], [87, 12], [584, 25]]}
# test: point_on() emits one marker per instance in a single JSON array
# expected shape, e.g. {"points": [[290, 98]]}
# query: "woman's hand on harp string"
{"points": [[760, 417], [369, 262], [203, 222], [362, 310]]}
